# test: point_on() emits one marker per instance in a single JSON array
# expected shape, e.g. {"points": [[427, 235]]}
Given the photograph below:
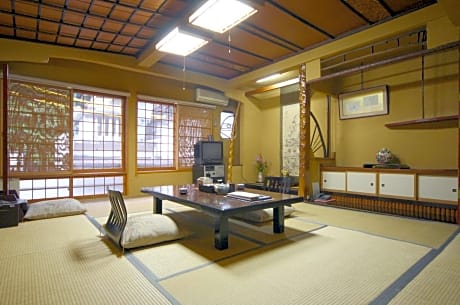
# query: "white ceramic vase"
{"points": [[260, 177]]}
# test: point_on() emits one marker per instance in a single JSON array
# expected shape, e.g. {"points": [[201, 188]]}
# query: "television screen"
{"points": [[209, 152]]}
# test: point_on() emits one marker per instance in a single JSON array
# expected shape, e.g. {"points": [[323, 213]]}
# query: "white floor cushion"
{"points": [[149, 229], [263, 215], [54, 208]]}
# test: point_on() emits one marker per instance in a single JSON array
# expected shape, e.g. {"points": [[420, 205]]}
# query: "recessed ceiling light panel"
{"points": [[221, 15], [180, 43]]}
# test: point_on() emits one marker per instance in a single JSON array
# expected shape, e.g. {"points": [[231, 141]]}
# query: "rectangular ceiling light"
{"points": [[180, 43], [221, 15], [268, 78]]}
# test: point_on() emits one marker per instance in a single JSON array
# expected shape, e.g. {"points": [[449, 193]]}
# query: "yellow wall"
{"points": [[358, 140]]}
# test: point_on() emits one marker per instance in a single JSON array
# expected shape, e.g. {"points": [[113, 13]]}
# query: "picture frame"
{"points": [[364, 103]]}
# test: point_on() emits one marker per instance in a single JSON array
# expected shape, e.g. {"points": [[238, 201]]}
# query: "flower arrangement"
{"points": [[261, 164]]}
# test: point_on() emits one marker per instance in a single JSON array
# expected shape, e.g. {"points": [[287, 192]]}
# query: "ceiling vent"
{"points": [[211, 97]]}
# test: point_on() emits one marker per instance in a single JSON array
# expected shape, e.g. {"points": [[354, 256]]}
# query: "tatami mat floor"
{"points": [[326, 256]]}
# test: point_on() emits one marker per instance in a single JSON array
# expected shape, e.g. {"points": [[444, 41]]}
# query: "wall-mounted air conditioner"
{"points": [[211, 97]]}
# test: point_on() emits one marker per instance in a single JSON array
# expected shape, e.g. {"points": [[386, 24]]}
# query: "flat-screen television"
{"points": [[209, 152]]}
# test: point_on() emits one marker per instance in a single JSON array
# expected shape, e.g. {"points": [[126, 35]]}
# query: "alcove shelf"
{"points": [[449, 121]]}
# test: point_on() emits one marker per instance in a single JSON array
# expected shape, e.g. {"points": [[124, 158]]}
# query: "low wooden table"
{"points": [[221, 207]]}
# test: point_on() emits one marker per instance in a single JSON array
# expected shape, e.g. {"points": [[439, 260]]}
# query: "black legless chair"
{"points": [[134, 231], [277, 184], [272, 184], [118, 217]]}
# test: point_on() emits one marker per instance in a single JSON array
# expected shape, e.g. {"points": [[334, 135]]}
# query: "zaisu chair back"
{"points": [[277, 184], [118, 217]]}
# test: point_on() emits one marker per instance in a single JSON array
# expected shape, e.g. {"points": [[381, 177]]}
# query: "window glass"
{"points": [[56, 136], [155, 135], [226, 124]]}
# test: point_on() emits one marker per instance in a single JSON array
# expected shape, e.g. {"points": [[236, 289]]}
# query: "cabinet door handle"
{"points": [[325, 180], [383, 185], [372, 183], [454, 190]]}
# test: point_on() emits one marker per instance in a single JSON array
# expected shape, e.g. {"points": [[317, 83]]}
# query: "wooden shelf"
{"points": [[450, 121]]}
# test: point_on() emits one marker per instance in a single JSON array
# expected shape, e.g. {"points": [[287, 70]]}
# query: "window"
{"points": [[97, 131], [158, 143], [226, 124], [64, 143], [39, 120], [155, 135], [195, 124]]}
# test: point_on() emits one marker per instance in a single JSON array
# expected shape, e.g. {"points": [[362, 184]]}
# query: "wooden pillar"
{"points": [[231, 147], [458, 142], [304, 121], [5, 129]]}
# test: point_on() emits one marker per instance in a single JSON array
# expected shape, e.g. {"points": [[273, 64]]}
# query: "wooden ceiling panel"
{"points": [[93, 22], [48, 27], [131, 51], [51, 13], [112, 26], [153, 5], [401, 5], [82, 43], [158, 21], [372, 10], [6, 19], [281, 28], [79, 5], [87, 34], [5, 6], [130, 29], [194, 65], [57, 2], [140, 17], [27, 23], [115, 49], [146, 33], [101, 8], [69, 30], [220, 51], [47, 37], [66, 40], [255, 44], [131, 2], [323, 15], [122, 40], [137, 43], [25, 34], [100, 45], [6, 30], [105, 37], [73, 18], [26, 8], [173, 8], [121, 13]]}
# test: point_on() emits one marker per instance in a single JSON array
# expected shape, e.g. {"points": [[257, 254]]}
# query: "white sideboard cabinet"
{"points": [[362, 183], [397, 185], [333, 181], [437, 189]]}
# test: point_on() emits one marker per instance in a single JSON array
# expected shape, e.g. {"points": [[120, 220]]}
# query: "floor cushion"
{"points": [[148, 229], [54, 208], [263, 215]]}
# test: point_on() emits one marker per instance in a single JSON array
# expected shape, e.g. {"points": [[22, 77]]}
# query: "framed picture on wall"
{"points": [[363, 103]]}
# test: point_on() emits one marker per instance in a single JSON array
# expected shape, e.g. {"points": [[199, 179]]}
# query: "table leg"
{"points": [[278, 219], [157, 205], [221, 233]]}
